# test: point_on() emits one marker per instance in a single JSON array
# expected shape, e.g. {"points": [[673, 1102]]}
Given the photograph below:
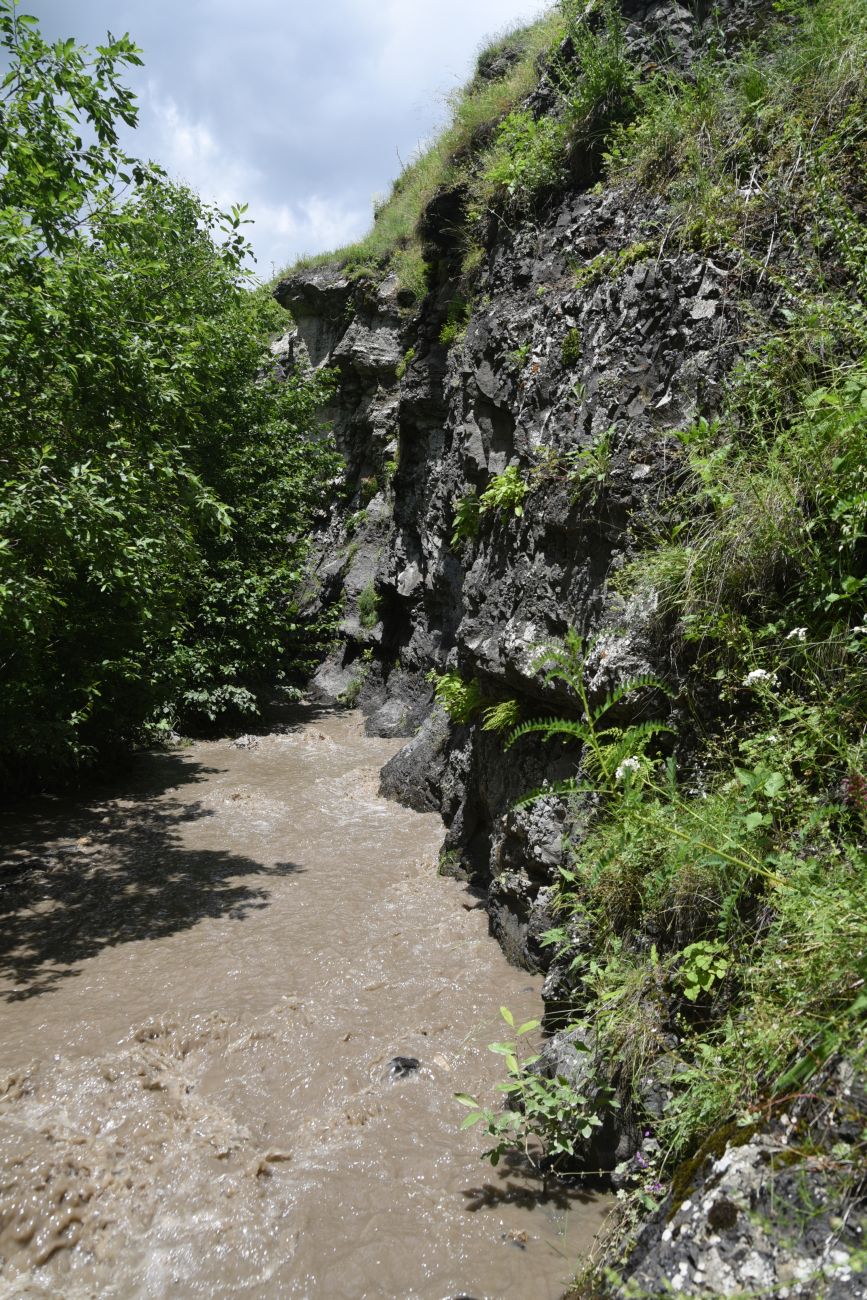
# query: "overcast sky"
{"points": [[304, 109]]}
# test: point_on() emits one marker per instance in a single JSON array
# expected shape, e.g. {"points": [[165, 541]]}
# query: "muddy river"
{"points": [[204, 975]]}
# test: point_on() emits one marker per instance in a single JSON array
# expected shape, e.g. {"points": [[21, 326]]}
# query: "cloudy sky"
{"points": [[305, 109]]}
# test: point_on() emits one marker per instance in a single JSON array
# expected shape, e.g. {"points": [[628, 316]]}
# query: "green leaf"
{"points": [[507, 1015], [465, 1099], [774, 784]]}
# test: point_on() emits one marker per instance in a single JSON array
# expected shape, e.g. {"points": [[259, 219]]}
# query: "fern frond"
{"points": [[567, 660], [622, 744], [551, 727], [626, 688]]}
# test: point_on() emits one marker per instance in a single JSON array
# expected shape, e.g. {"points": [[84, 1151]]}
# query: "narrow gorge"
{"points": [[433, 724], [595, 375]]}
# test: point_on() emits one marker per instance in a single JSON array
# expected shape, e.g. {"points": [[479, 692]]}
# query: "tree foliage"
{"points": [[157, 476]]}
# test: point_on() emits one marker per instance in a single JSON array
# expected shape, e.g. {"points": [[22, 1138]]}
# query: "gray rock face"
{"points": [[656, 341], [761, 1215]]}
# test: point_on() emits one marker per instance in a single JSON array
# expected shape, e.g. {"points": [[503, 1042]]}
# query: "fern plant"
{"points": [[501, 717], [613, 756], [462, 700]]}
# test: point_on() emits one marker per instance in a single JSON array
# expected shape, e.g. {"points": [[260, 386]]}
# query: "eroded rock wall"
{"points": [[588, 344]]}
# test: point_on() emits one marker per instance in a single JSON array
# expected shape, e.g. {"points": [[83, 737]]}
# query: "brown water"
{"points": [[203, 978]]}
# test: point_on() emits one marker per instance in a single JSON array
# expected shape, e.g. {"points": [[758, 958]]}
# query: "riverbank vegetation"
{"points": [[713, 915], [157, 477]]}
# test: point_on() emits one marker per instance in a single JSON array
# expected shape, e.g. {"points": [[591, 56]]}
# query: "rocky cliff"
{"points": [[589, 334]]}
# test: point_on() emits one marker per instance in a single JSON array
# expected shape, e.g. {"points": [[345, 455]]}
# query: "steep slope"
{"points": [[609, 381]]}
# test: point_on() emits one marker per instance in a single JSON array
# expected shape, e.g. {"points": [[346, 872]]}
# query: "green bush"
{"points": [[158, 479], [570, 348]]}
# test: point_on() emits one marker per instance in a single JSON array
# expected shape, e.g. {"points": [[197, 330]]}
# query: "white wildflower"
{"points": [[860, 630], [760, 675], [628, 765], [797, 634]]}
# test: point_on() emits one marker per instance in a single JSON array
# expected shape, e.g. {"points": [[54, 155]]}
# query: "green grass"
{"points": [[368, 607], [474, 112], [497, 150]]}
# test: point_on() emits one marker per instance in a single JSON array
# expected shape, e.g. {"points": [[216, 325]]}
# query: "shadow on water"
{"points": [[531, 1191], [77, 877]]}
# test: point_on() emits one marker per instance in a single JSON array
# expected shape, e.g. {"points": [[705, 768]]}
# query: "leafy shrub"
{"points": [[158, 479], [504, 494], [550, 1110]]}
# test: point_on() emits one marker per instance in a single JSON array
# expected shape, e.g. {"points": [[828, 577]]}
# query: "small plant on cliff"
{"points": [[703, 964], [519, 355], [466, 520], [368, 607], [405, 362], [613, 755], [609, 265], [589, 467], [570, 348], [349, 697], [455, 326], [462, 700], [501, 717], [505, 494]]}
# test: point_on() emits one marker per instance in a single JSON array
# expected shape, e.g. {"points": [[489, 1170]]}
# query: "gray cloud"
{"points": [[303, 109]]}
